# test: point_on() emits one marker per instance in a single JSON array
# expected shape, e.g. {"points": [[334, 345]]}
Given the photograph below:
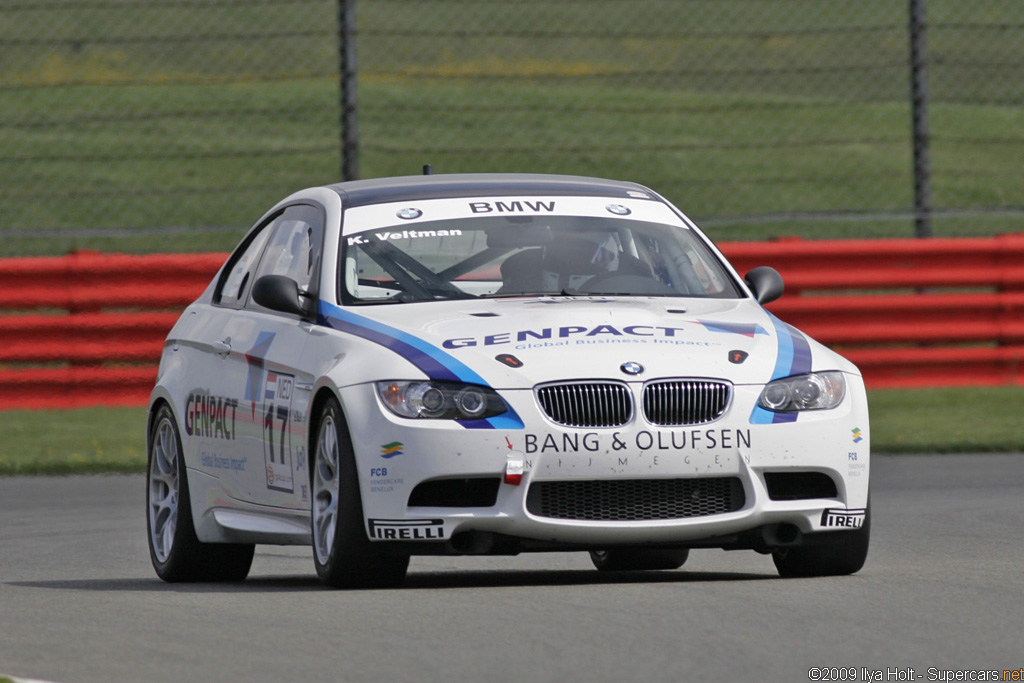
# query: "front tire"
{"points": [[344, 556], [640, 559], [844, 552], [177, 554]]}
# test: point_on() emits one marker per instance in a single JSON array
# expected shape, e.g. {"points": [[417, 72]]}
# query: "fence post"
{"points": [[919, 114], [348, 109]]}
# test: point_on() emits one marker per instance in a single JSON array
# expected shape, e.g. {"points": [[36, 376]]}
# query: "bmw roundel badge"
{"points": [[631, 368], [409, 214]]}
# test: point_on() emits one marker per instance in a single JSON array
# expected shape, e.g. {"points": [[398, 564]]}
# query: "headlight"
{"points": [[816, 391], [440, 400]]}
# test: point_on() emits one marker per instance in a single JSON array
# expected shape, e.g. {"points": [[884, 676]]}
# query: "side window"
{"points": [[293, 249], [240, 275]]}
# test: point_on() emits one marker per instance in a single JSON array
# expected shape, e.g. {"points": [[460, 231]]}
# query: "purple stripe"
{"points": [[800, 364], [801, 352], [430, 367]]}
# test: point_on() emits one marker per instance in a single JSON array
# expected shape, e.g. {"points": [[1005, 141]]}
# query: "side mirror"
{"points": [[765, 282], [279, 293]]}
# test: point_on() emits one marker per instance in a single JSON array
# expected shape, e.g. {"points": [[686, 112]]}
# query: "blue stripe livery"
{"points": [[746, 329], [435, 363], [794, 358]]}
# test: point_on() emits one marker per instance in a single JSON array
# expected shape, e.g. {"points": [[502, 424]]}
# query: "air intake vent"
{"points": [[635, 499], [799, 485], [587, 404], [456, 493], [674, 403]]}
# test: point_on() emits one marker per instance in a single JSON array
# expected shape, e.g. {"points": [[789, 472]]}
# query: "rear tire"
{"points": [[844, 552], [344, 556], [177, 554], [640, 559]]}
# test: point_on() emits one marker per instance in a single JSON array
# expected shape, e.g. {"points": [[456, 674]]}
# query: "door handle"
{"points": [[222, 348]]}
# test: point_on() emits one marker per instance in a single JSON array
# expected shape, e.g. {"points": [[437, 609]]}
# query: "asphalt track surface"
{"points": [[943, 591]]}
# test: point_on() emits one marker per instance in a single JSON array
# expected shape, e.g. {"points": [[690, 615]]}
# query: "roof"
{"points": [[409, 188]]}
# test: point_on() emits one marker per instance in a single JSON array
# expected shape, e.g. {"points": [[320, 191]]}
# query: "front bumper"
{"points": [[428, 482]]}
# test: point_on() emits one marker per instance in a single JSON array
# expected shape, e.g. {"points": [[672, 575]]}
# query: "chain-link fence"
{"points": [[151, 125]]}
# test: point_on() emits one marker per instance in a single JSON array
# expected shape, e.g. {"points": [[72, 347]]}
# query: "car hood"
{"points": [[512, 343]]}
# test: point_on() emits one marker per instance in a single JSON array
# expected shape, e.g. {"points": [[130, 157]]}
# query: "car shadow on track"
{"points": [[576, 577], [414, 581]]}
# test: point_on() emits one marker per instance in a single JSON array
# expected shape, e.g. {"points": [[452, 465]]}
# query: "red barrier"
{"points": [[87, 328], [910, 313], [84, 281], [989, 262], [76, 387], [96, 326]]}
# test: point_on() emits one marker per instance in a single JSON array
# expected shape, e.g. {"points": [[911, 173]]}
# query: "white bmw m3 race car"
{"points": [[496, 364]]}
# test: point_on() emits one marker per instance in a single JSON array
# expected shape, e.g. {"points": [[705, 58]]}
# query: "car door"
{"points": [[265, 372], [210, 411]]}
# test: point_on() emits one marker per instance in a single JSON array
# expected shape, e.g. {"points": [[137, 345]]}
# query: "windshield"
{"points": [[509, 256]]}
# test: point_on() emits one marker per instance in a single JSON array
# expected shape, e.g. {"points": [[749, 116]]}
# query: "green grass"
{"points": [[969, 420], [962, 420], [201, 187], [84, 440], [196, 117]]}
